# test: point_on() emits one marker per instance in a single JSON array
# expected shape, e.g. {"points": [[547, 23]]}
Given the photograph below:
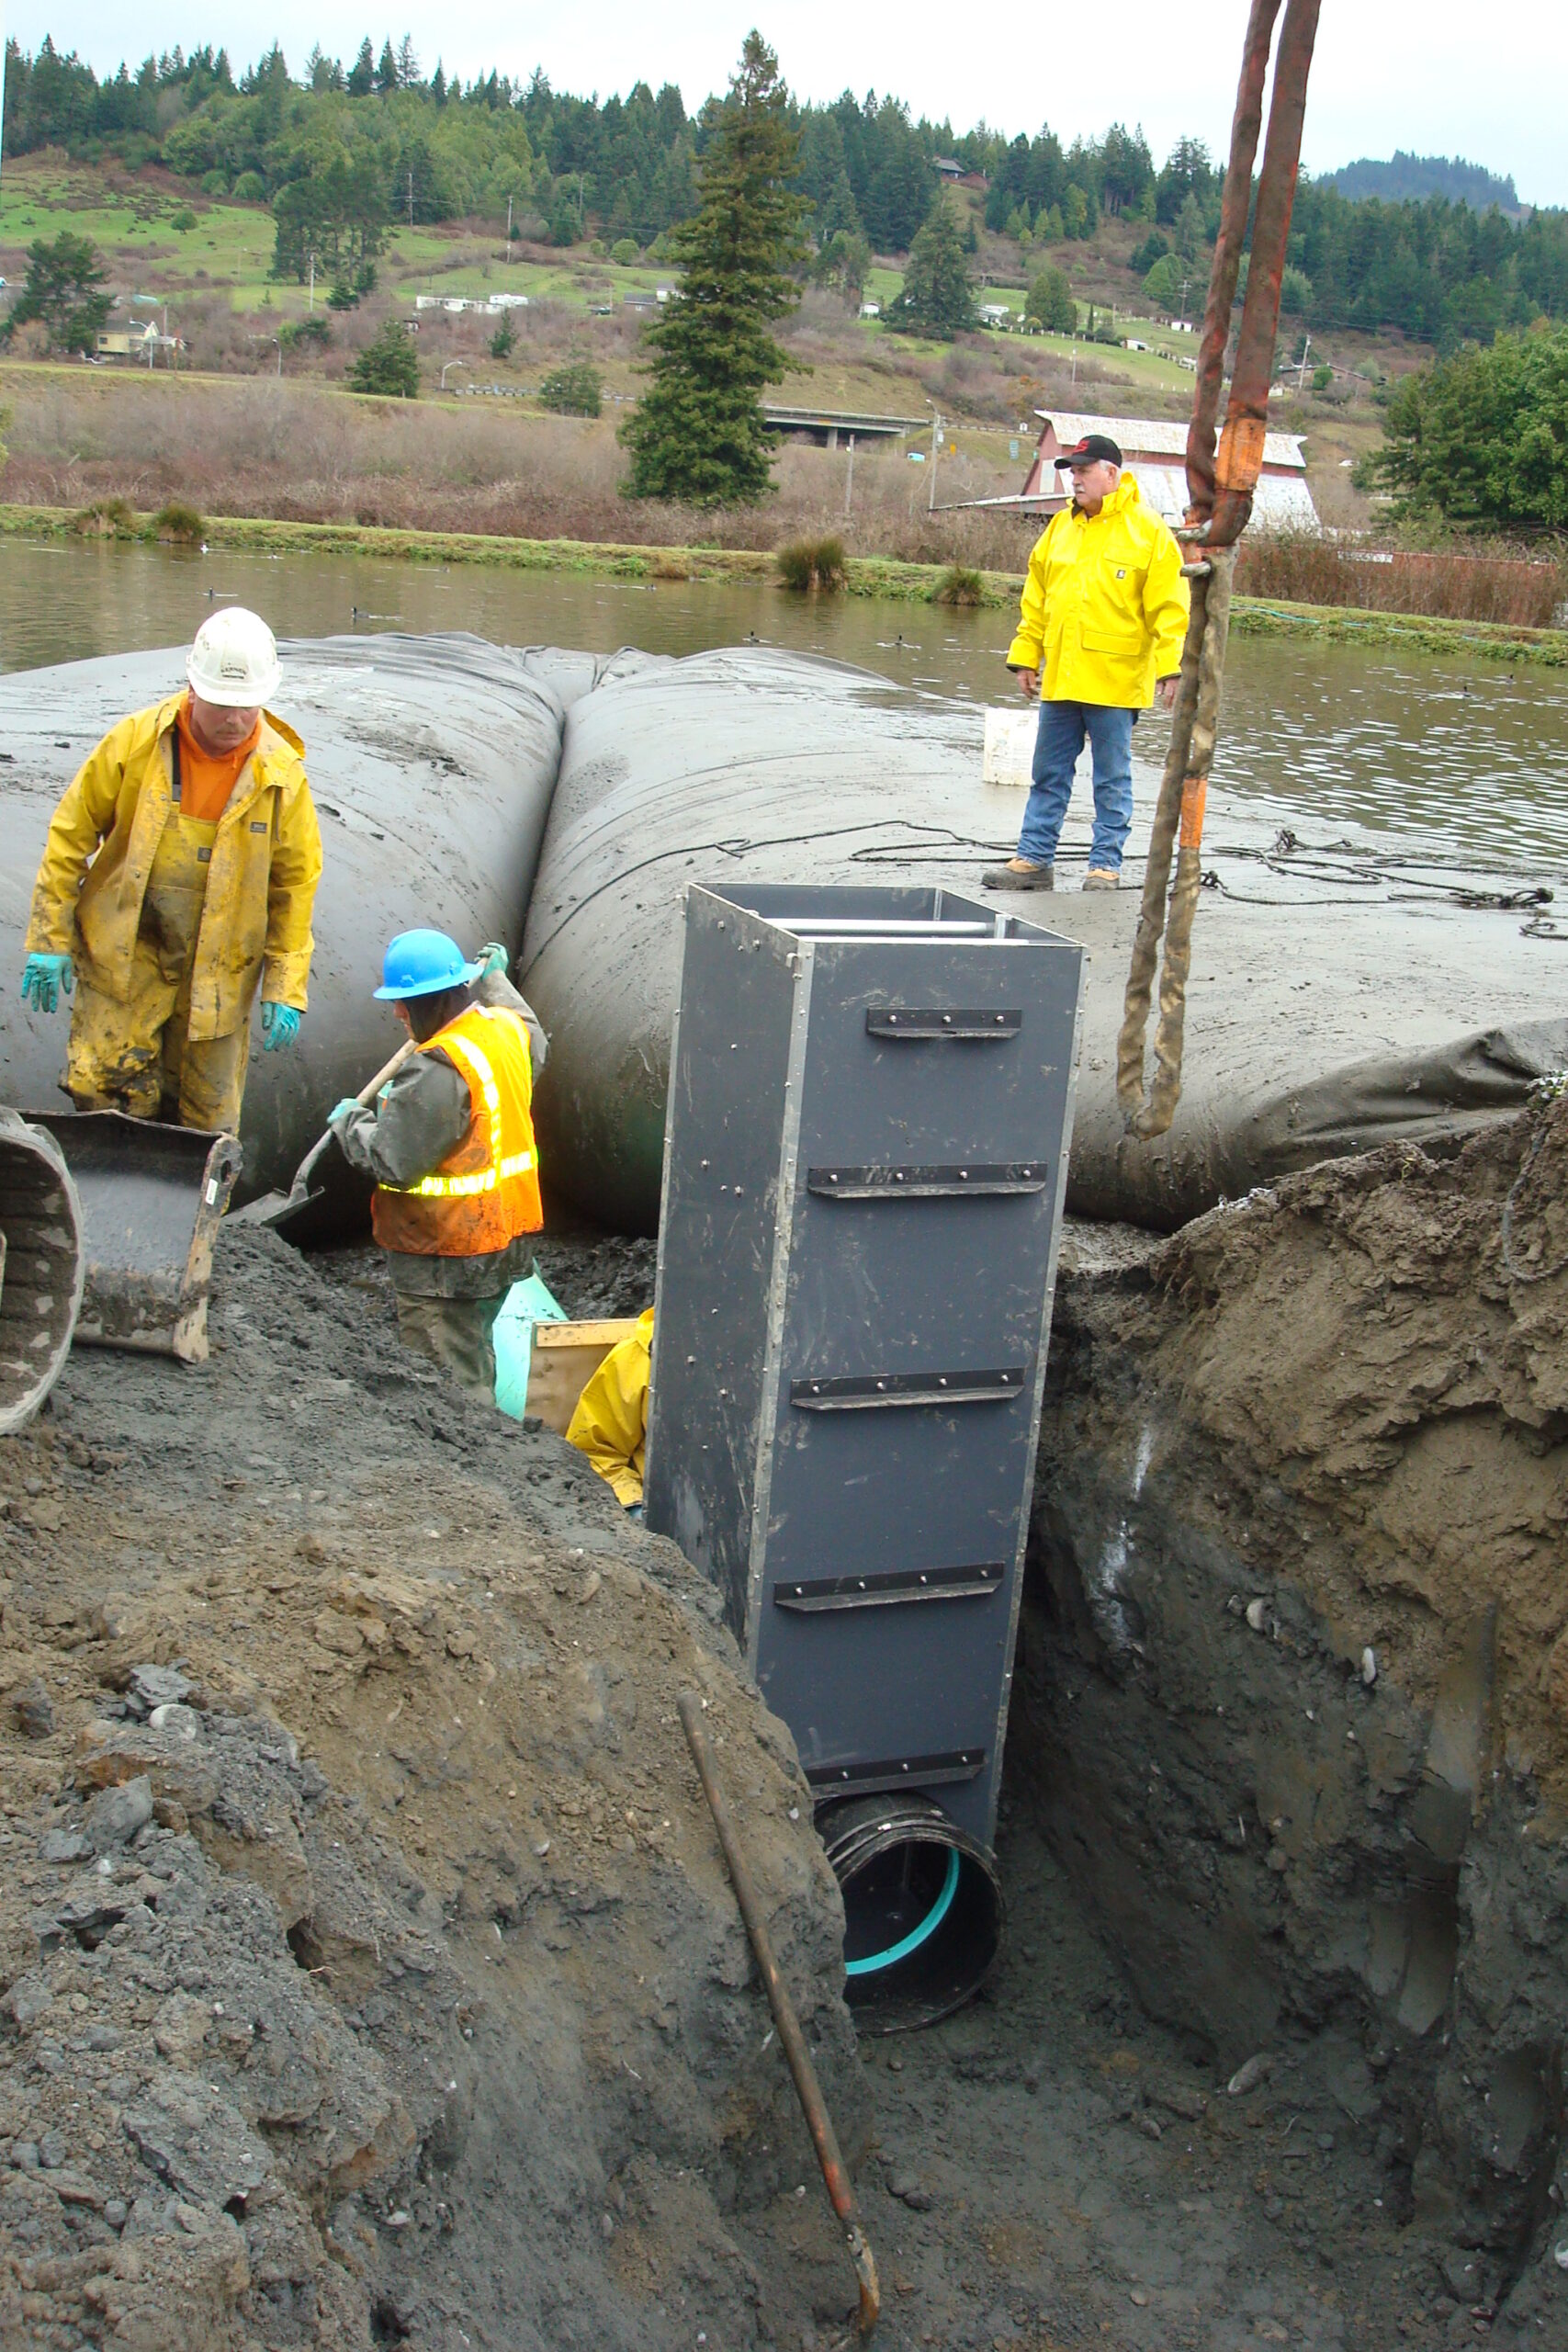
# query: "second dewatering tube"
{"points": [[819, 2122]]}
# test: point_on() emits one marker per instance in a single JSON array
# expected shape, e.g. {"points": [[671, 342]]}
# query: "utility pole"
{"points": [[509, 227], [850, 478], [410, 199], [936, 443], [312, 281], [1301, 372]]}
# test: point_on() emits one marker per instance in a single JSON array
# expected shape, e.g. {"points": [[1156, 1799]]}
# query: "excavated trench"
{"points": [[413, 2007], [1274, 2049], [388, 1990]]}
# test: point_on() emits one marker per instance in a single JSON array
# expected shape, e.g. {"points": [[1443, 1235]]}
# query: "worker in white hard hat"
{"points": [[178, 876]]}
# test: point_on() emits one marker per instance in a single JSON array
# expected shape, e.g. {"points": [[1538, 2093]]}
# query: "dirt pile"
{"points": [[1293, 1691], [370, 1972]]}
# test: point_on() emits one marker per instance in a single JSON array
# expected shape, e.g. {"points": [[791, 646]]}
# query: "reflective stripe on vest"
{"points": [[483, 1180]]}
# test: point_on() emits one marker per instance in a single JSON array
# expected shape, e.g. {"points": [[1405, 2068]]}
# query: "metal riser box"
{"points": [[870, 1103]]}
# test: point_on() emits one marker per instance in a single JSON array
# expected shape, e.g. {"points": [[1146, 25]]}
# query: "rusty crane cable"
{"points": [[1220, 483]]}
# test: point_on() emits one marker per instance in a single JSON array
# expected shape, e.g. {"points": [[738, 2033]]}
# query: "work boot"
{"points": [[1103, 877], [1018, 873]]}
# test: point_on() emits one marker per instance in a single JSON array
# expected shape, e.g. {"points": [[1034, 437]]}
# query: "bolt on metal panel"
{"points": [[870, 1107]]}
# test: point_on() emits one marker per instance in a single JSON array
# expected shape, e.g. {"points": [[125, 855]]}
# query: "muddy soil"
{"points": [[370, 1973], [1292, 1698], [418, 2010]]}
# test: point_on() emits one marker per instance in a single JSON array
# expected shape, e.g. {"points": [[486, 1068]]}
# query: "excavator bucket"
{"points": [[152, 1199], [41, 1265]]}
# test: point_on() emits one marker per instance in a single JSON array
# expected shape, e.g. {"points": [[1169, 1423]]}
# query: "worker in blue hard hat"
{"points": [[450, 1143]]}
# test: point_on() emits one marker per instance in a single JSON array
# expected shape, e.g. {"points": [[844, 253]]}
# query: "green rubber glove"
{"points": [[280, 1026], [494, 958], [43, 977]]}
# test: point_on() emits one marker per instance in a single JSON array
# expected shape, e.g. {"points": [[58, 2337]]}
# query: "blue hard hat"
{"points": [[422, 962]]}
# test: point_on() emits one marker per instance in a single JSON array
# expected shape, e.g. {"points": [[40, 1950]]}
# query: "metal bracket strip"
{"points": [[1012, 1176], [905, 1022], [898, 1585], [911, 1771], [875, 1391]]}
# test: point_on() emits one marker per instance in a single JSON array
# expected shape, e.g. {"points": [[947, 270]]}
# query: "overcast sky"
{"points": [[1387, 73]]}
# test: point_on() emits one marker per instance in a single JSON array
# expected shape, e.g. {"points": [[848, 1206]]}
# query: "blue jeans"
{"points": [[1063, 726]]}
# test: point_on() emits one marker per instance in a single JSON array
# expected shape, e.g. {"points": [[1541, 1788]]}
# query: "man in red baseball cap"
{"points": [[1101, 629]]}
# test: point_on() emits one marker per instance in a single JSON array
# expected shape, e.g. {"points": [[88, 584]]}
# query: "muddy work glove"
{"points": [[493, 957], [280, 1026], [43, 977], [341, 1113]]}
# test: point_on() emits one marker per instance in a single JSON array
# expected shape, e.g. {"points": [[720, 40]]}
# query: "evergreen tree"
{"points": [[1484, 437], [63, 290], [389, 365], [385, 69], [1051, 302], [698, 434], [362, 77], [936, 299]]}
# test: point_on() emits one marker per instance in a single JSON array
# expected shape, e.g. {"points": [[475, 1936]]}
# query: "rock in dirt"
{"points": [[33, 1710], [115, 1815], [1248, 2075]]}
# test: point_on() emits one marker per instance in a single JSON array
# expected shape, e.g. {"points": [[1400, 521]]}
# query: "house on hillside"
{"points": [[138, 343], [1155, 451]]}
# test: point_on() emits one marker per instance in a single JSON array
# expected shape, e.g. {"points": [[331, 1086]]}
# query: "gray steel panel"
{"points": [[939, 1291], [717, 1239]]}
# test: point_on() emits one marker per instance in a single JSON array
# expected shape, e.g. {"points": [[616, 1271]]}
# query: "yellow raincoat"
{"points": [[173, 923], [1104, 605], [610, 1424]]}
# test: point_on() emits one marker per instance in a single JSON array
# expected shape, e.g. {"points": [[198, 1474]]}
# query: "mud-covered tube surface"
{"points": [[431, 761], [1321, 1020]]}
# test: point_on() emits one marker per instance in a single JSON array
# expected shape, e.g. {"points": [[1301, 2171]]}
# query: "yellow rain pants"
{"points": [[137, 1056]]}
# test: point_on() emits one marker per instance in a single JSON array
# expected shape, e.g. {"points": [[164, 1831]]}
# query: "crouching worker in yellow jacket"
{"points": [[610, 1424], [178, 875], [450, 1143]]}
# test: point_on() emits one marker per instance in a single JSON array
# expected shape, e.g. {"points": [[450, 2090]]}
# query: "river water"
{"points": [[1467, 757]]}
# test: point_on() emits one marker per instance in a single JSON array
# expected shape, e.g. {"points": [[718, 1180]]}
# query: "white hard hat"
{"points": [[234, 659]]}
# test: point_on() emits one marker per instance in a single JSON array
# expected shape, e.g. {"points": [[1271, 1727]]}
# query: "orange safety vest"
{"points": [[486, 1192]]}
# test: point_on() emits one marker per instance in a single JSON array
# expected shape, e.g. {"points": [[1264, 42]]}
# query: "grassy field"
{"points": [[211, 280]]}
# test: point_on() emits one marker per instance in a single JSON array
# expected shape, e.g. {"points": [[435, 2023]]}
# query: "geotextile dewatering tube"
{"points": [[923, 1909], [41, 1268]]}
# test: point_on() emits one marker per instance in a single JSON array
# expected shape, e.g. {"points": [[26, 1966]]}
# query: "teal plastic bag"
{"points": [[527, 1303]]}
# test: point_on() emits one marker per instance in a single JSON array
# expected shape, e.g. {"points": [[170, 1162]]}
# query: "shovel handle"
{"points": [[369, 1090]]}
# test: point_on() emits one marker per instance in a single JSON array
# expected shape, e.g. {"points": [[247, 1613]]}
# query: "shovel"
{"points": [[273, 1208]]}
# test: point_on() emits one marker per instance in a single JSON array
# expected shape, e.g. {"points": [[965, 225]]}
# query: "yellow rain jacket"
{"points": [[1104, 605], [610, 1424], [261, 882]]}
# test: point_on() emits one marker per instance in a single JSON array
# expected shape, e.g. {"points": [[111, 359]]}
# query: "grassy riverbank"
{"points": [[865, 576]]}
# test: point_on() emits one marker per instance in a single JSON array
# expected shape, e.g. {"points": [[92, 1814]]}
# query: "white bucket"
{"points": [[1010, 748]]}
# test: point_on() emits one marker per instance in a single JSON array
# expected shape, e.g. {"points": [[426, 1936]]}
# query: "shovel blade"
{"points": [[151, 1200]]}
